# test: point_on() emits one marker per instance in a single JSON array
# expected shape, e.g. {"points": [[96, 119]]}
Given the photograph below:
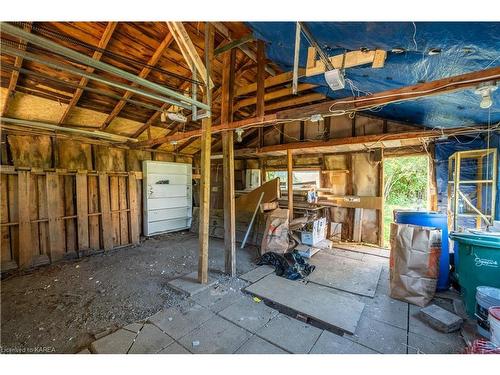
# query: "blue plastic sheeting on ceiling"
{"points": [[465, 47], [445, 149]]}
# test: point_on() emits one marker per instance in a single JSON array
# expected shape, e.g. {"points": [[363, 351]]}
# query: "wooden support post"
{"points": [[228, 163], [380, 212], [25, 256], [55, 212], [206, 139], [289, 168], [229, 208], [133, 211], [261, 64], [82, 210], [104, 204]]}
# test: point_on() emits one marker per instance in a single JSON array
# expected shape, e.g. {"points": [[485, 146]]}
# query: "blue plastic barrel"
{"points": [[435, 220]]}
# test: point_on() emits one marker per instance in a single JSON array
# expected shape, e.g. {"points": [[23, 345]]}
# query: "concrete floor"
{"points": [[223, 319]]}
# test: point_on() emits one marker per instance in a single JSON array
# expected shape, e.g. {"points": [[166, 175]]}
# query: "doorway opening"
{"points": [[406, 187]]}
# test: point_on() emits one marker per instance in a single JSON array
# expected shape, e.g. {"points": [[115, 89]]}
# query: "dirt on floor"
{"points": [[61, 307]]}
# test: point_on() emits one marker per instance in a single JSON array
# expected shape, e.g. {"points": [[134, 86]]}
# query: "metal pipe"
{"points": [[52, 127], [296, 55], [313, 43], [83, 73], [85, 88], [69, 53]]}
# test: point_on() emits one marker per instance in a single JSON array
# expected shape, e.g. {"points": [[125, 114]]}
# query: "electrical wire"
{"points": [[412, 93]]}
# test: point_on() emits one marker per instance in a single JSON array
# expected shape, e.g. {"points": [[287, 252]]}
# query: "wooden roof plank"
{"points": [[15, 73], [106, 37], [143, 74]]}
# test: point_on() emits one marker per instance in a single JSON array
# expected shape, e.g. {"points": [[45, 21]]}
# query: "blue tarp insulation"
{"points": [[465, 47]]}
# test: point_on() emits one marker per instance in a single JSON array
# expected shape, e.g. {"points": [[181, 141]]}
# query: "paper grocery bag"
{"points": [[276, 235], [414, 263]]}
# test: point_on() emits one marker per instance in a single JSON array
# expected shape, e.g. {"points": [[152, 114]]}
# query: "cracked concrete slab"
{"points": [[249, 314], [257, 273], [220, 296], [116, 343], [215, 336], [418, 344], [150, 340], [256, 345], [174, 348], [188, 284], [388, 310], [179, 321], [379, 336], [330, 343], [134, 327], [290, 334]]}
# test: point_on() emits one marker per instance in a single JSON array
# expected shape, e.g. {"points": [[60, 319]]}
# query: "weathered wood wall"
{"points": [[62, 198]]}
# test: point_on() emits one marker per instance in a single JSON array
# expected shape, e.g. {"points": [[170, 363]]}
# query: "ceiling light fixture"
{"points": [[485, 91], [173, 116], [239, 133]]}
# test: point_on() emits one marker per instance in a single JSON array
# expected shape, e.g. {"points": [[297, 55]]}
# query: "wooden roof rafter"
{"points": [[105, 38], [165, 44], [15, 73]]}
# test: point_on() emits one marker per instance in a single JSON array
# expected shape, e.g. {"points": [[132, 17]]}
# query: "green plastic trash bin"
{"points": [[479, 264]]}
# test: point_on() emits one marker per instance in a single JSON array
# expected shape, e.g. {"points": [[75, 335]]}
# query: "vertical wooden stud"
{"points": [[104, 203], [25, 255], [380, 211], [55, 211], [122, 192], [132, 203], [82, 210]]}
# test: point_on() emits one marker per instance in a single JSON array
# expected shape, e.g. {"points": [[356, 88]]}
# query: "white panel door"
{"points": [[167, 192]]}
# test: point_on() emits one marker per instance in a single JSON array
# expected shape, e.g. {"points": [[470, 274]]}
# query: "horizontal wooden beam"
{"points": [[440, 86], [269, 82], [345, 60], [334, 107], [274, 95], [374, 139]]}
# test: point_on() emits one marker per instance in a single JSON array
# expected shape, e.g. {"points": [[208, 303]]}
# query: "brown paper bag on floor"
{"points": [[276, 235], [414, 263]]}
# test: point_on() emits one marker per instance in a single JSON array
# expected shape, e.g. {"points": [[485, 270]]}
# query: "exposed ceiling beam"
{"points": [[103, 42], [373, 140], [268, 82], [223, 30], [188, 50], [89, 61], [15, 73], [143, 74], [287, 91], [441, 86]]}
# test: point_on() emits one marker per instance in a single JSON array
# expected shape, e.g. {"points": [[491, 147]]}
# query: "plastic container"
{"points": [[494, 319], [486, 297], [434, 220], [479, 265]]}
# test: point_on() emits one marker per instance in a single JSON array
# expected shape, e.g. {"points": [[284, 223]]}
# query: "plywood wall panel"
{"points": [[74, 155], [31, 151]]}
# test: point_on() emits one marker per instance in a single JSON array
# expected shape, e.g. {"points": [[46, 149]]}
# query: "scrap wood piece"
{"points": [[347, 60], [310, 300], [271, 190]]}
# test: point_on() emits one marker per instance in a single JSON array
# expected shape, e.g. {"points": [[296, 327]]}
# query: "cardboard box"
{"points": [[317, 234]]}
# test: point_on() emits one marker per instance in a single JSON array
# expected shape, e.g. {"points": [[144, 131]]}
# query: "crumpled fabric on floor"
{"points": [[290, 265]]}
